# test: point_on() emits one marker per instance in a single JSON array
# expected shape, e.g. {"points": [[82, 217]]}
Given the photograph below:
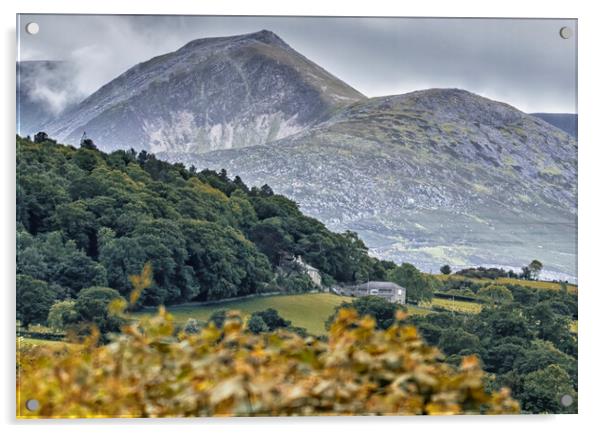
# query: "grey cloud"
{"points": [[519, 61]]}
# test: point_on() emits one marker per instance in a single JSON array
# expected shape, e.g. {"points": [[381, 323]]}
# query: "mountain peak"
{"points": [[264, 36], [225, 92], [458, 103]]}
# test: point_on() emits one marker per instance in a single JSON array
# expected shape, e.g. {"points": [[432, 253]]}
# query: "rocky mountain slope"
{"points": [[211, 94], [430, 177], [565, 121]]}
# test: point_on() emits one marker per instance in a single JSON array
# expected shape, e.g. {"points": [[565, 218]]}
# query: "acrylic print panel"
{"points": [[341, 216]]}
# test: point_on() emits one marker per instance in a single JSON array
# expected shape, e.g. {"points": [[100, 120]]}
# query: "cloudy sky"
{"points": [[523, 62]]}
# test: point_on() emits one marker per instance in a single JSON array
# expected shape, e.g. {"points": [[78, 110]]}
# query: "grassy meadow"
{"points": [[546, 285], [455, 305], [308, 311]]}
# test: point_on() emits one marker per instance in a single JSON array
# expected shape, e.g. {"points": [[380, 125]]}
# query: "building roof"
{"points": [[379, 285]]}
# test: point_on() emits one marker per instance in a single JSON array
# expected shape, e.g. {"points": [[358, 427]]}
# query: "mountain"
{"points": [[430, 177], [211, 94], [45, 89], [565, 121]]}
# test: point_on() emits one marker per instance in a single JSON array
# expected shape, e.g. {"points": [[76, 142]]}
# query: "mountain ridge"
{"points": [[434, 176], [209, 94]]}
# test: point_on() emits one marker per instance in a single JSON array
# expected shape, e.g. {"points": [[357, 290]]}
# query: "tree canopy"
{"points": [[87, 218]]}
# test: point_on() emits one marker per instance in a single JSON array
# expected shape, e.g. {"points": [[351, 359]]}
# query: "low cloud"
{"points": [[51, 85], [518, 61]]}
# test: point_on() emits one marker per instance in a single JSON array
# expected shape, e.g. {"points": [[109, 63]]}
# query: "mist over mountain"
{"points": [[45, 89], [211, 94], [429, 177]]}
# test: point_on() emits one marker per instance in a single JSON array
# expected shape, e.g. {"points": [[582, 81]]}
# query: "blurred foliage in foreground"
{"points": [[148, 372]]}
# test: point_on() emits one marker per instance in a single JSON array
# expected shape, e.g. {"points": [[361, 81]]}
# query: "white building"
{"points": [[383, 289], [312, 272]]}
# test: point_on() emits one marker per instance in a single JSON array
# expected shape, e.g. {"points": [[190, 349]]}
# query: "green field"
{"points": [[308, 311], [455, 305], [53, 344], [547, 285]]}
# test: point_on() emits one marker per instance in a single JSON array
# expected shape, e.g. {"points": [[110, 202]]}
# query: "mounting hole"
{"points": [[566, 32], [566, 400], [32, 405], [32, 28]]}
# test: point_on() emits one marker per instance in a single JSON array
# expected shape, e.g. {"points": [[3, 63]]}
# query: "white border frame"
{"points": [[590, 141]]}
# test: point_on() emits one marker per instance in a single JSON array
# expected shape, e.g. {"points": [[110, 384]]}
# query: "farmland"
{"points": [[534, 284], [455, 305], [308, 311]]}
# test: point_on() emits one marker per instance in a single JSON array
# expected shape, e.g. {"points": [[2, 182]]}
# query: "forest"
{"points": [[90, 219]]}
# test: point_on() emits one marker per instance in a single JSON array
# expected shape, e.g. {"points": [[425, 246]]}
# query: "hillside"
{"points": [[214, 93], [87, 218], [430, 177], [565, 121]]}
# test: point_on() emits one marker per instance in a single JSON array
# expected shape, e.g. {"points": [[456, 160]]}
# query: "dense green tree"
{"points": [[257, 325], [272, 319], [535, 268], [121, 257], [34, 299], [553, 327], [92, 305], [514, 340], [49, 258], [541, 354], [62, 314], [224, 263], [502, 357], [431, 332], [458, 341], [504, 321], [272, 239], [40, 137], [79, 224], [543, 391], [419, 286], [88, 143], [445, 269]]}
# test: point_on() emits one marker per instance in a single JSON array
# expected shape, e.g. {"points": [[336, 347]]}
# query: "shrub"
{"points": [[147, 372], [92, 305], [256, 325], [62, 314], [34, 299], [272, 319]]}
